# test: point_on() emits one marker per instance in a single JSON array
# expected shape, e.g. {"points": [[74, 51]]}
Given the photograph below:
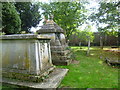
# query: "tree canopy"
{"points": [[85, 34], [107, 17], [69, 15], [29, 14], [11, 22]]}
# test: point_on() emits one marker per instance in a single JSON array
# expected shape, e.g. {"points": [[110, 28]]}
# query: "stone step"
{"points": [[60, 52], [62, 62]]}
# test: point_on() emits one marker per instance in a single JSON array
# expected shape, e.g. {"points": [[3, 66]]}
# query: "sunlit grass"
{"points": [[91, 72]]}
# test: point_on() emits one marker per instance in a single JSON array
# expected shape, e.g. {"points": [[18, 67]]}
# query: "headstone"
{"points": [[59, 48], [25, 57]]}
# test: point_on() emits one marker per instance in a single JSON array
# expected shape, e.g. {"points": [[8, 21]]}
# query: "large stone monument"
{"points": [[59, 52], [25, 57], [26, 61]]}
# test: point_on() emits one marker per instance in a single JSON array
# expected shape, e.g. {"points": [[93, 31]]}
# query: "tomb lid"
{"points": [[50, 27], [24, 36]]}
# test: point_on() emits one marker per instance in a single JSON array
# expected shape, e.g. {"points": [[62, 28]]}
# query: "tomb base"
{"points": [[22, 76], [52, 81], [61, 57]]}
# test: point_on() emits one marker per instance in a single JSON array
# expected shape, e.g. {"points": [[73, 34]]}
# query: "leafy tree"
{"points": [[11, 22], [29, 14], [107, 19], [107, 15], [86, 35], [69, 15], [0, 18], [83, 34]]}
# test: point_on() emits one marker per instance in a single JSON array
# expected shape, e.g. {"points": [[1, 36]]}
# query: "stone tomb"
{"points": [[26, 57], [59, 52], [26, 61]]}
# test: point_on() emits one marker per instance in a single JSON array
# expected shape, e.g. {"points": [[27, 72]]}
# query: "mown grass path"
{"points": [[91, 72]]}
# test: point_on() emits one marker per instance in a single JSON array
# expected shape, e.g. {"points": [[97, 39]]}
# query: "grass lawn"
{"points": [[91, 71]]}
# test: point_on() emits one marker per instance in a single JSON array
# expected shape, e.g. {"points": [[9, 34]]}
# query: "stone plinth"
{"points": [[60, 54], [26, 57], [52, 81]]}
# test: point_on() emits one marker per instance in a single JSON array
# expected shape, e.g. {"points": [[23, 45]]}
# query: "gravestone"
{"points": [[59, 48], [25, 57]]}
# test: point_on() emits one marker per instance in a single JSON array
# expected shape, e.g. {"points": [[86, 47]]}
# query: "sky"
{"points": [[93, 4]]}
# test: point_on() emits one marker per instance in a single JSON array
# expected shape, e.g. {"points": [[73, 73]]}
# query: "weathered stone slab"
{"points": [[109, 61], [52, 82], [23, 36]]}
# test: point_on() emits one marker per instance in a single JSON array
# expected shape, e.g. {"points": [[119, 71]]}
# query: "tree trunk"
{"points": [[80, 45], [101, 42], [105, 44], [88, 51]]}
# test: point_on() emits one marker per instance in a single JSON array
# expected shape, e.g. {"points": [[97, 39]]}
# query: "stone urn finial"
{"points": [[51, 17], [45, 20]]}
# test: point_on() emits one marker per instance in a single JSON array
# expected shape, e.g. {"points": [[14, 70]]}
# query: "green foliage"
{"points": [[0, 17], [29, 14], [108, 16], [11, 22], [69, 15], [85, 34]]}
